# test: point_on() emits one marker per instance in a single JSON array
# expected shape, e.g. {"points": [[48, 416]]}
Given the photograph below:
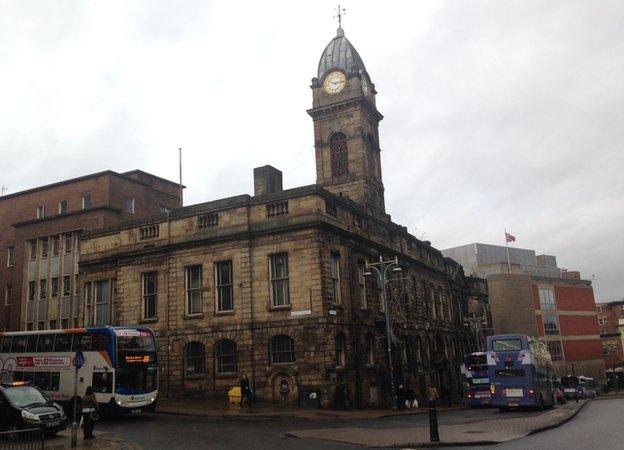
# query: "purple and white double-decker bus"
{"points": [[520, 372], [477, 379]]}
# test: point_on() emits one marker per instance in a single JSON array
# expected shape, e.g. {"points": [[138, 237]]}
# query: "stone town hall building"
{"points": [[273, 286]]}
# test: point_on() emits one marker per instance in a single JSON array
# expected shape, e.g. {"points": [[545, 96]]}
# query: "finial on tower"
{"points": [[339, 13]]}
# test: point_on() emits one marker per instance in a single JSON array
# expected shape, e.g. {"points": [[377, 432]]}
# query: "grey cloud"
{"points": [[497, 114]]}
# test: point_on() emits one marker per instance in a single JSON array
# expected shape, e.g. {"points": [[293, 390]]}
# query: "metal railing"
{"points": [[31, 439]]}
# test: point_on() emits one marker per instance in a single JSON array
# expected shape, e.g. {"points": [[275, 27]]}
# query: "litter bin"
{"points": [[234, 395]]}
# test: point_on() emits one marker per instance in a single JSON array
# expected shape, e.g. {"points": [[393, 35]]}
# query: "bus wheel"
{"points": [[503, 408]]}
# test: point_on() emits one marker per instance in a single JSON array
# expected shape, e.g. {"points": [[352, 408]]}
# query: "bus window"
{"points": [[63, 342], [18, 376], [100, 342], [506, 345], [102, 382], [6, 344], [31, 345], [46, 343], [510, 373], [28, 376], [82, 342], [55, 381], [19, 345], [42, 380]]}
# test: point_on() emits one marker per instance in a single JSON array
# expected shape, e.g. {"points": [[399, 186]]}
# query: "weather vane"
{"points": [[339, 13]]}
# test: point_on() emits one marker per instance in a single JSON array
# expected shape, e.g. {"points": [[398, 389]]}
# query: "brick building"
{"points": [[611, 324], [39, 239], [273, 285], [542, 300]]}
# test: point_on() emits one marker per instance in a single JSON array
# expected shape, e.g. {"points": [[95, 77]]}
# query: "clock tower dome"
{"points": [[346, 126]]}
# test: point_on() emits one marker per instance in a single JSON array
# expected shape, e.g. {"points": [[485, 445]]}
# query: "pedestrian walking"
{"points": [[284, 390], [411, 401], [245, 390], [90, 413], [400, 393]]}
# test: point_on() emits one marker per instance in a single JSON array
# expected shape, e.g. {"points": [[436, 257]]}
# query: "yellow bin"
{"points": [[234, 394]]}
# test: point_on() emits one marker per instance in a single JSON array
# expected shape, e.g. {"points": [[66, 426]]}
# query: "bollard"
{"points": [[433, 422]]}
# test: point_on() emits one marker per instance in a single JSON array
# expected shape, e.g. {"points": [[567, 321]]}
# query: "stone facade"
{"points": [[317, 227], [289, 266]]}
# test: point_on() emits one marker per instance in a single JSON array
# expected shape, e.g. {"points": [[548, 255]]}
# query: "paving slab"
{"points": [[484, 432]]}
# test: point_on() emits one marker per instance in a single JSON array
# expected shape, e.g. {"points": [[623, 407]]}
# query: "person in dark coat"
{"points": [[245, 390], [90, 410], [411, 397], [400, 393]]}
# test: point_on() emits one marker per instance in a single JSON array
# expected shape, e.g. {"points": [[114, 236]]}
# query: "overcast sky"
{"points": [[498, 114]]}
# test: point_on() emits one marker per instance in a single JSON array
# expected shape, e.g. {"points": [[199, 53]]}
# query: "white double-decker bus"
{"points": [[120, 365]]}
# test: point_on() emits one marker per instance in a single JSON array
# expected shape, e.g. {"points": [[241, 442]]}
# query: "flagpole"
{"points": [[180, 167], [507, 248]]}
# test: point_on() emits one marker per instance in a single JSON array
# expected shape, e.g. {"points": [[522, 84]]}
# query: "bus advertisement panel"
{"points": [[520, 372], [120, 364], [477, 379]]}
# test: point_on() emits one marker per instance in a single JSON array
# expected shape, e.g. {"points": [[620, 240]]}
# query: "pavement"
{"points": [[206, 424], [102, 441], [219, 408], [484, 432]]}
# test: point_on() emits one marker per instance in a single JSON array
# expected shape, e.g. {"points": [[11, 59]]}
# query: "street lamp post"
{"points": [[381, 269], [476, 324]]}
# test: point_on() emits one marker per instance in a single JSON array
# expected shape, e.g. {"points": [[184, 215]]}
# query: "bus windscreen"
{"points": [[506, 345], [135, 340]]}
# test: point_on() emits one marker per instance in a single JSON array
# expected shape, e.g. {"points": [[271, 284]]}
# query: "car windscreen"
{"points": [[569, 382], [25, 396], [506, 345]]}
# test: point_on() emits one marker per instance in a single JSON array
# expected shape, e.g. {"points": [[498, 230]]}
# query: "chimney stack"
{"points": [[267, 180]]}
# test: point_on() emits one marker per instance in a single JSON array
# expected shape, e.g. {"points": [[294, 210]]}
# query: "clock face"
{"points": [[335, 82], [365, 87]]}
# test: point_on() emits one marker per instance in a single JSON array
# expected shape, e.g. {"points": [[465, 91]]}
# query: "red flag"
{"points": [[509, 237]]}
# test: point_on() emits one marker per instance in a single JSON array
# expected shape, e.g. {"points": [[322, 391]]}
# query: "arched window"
{"points": [[370, 350], [225, 355], [282, 350], [339, 154], [341, 344], [194, 359]]}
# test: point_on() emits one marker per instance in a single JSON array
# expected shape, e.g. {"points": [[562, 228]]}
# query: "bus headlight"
{"points": [[120, 402], [30, 416]]}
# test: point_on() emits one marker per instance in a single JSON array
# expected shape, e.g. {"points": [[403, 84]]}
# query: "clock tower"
{"points": [[346, 126]]}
